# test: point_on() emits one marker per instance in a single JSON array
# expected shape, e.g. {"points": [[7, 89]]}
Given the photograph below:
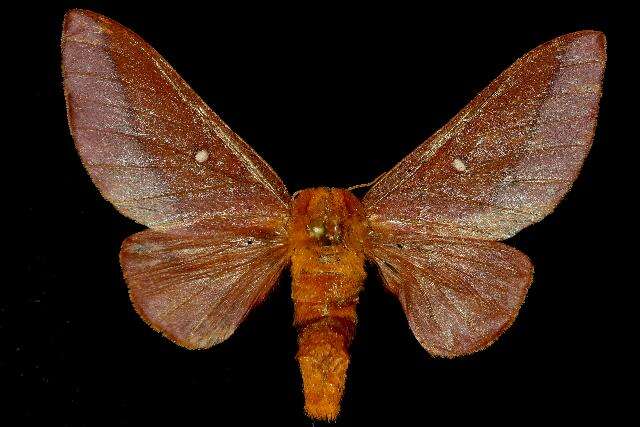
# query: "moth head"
{"points": [[317, 228], [325, 216], [325, 229]]}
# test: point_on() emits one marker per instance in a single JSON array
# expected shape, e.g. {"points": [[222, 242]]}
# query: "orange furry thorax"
{"points": [[327, 264]]}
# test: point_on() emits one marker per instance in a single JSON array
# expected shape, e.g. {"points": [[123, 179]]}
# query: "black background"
{"points": [[328, 96]]}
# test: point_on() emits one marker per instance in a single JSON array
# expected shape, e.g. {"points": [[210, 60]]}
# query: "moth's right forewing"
{"points": [[507, 159]]}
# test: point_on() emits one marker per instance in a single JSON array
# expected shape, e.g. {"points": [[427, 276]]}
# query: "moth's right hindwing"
{"points": [[459, 295]]}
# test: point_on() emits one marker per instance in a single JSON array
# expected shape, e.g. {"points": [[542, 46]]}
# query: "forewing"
{"points": [[197, 290], [459, 295], [506, 160], [153, 148]]}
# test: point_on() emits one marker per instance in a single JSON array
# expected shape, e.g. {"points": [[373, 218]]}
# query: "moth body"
{"points": [[327, 265]]}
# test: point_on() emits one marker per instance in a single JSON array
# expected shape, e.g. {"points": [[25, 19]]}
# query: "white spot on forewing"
{"points": [[202, 156], [459, 165]]}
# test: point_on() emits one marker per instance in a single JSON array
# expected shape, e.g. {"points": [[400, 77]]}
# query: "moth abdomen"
{"points": [[325, 317], [323, 356]]}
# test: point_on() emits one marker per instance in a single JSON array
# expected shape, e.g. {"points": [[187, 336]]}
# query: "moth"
{"points": [[222, 226]]}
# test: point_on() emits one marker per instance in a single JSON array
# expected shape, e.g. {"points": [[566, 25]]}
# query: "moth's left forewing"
{"points": [[151, 145]]}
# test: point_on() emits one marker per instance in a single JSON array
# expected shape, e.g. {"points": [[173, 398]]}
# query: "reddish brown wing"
{"points": [[151, 145], [158, 153], [504, 162], [507, 159], [197, 290], [459, 294]]}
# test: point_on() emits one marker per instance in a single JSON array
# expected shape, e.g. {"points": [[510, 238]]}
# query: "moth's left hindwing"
{"points": [[163, 158], [196, 290]]}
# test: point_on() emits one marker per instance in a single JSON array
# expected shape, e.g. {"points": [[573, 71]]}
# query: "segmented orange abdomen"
{"points": [[327, 266]]}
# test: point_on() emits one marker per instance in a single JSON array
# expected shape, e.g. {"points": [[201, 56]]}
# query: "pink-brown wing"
{"points": [[507, 159], [504, 162], [459, 295], [153, 148], [197, 290], [157, 152]]}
